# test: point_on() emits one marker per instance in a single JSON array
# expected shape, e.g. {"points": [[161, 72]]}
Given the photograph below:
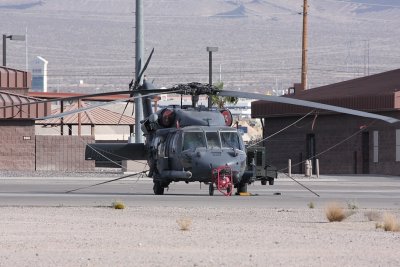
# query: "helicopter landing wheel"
{"points": [[241, 188], [211, 189], [158, 188]]}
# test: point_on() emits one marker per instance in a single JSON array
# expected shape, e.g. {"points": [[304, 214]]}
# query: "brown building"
{"points": [[20, 148], [344, 144], [17, 129]]}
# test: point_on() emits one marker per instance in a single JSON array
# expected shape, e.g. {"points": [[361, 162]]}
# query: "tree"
{"points": [[220, 101]]}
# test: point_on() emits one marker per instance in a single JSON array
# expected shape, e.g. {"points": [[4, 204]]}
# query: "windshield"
{"points": [[230, 139], [213, 140], [192, 140]]}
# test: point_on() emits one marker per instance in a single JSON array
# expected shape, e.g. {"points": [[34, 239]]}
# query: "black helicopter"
{"points": [[185, 143], [190, 144]]}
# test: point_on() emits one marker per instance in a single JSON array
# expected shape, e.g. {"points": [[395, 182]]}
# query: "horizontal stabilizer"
{"points": [[115, 152]]}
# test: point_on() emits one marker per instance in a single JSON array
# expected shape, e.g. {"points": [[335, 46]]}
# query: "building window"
{"points": [[397, 145], [376, 146]]}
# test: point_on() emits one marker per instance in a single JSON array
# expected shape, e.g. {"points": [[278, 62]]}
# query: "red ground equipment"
{"points": [[222, 178]]}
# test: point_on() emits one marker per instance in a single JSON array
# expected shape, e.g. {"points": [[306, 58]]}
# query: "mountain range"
{"points": [[90, 43]]}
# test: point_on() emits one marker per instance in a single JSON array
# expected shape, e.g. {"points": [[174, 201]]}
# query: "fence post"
{"points": [[308, 169], [290, 167]]}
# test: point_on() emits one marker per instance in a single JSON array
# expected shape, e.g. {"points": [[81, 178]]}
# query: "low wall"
{"points": [[17, 145], [62, 153]]}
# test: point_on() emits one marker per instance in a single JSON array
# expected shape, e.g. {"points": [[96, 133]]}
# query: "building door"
{"points": [[365, 152], [311, 149]]}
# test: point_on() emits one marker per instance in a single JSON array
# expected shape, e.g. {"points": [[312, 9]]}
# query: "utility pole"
{"points": [[139, 50], [26, 49], [368, 60], [210, 50], [4, 50], [305, 47], [366, 57]]}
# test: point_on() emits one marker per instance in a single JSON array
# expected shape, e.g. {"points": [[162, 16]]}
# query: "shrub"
{"points": [[184, 223], [378, 225], [352, 205], [335, 213], [118, 205], [390, 223]]}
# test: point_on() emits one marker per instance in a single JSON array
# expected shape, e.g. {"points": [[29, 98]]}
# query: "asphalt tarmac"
{"points": [[362, 191]]}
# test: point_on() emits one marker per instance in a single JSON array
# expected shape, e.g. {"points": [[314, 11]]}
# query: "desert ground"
{"points": [[40, 226], [143, 236]]}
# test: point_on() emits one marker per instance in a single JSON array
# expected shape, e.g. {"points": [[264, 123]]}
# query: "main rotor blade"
{"points": [[144, 68], [71, 112], [137, 83], [306, 103], [123, 112], [144, 92], [139, 77], [71, 98]]}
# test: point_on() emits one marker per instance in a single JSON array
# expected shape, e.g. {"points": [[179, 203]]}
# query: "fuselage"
{"points": [[191, 153]]}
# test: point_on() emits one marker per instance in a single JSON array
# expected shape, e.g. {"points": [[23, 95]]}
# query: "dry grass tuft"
{"points": [[118, 205], [184, 223], [373, 216], [352, 205], [390, 223], [311, 205], [335, 213]]}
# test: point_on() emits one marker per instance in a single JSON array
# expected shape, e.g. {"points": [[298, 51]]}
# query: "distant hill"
{"points": [[20, 4], [259, 41]]}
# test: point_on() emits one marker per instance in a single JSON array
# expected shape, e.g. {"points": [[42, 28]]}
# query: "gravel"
{"points": [[151, 236]]}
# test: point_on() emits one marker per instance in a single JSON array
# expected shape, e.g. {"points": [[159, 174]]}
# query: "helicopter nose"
{"points": [[207, 161]]}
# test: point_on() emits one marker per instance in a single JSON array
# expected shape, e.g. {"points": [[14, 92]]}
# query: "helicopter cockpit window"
{"points": [[192, 140], [230, 139], [213, 140]]}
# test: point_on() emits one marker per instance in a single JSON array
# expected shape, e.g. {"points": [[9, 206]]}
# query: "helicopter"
{"points": [[186, 143], [194, 143], [189, 143]]}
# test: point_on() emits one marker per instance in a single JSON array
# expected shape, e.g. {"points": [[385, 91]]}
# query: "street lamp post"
{"points": [[210, 49], [12, 38]]}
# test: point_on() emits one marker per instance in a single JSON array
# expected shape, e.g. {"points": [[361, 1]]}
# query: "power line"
{"points": [[363, 3]]}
